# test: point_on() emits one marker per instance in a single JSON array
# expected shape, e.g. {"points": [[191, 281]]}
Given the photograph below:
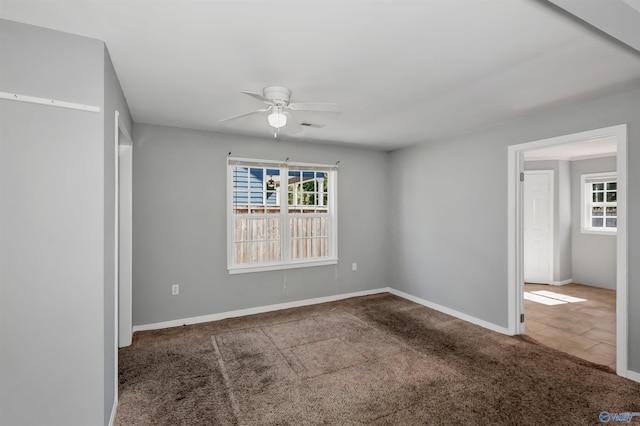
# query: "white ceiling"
{"points": [[403, 72]]}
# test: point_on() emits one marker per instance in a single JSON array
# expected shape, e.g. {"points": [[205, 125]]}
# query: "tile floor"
{"points": [[586, 329]]}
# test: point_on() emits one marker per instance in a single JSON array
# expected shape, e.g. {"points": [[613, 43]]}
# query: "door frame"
{"points": [[515, 276], [120, 129], [551, 195]]}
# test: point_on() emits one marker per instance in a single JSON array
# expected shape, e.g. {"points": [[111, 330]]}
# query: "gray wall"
{"points": [[179, 224], [561, 215], [594, 256], [450, 247], [53, 252]]}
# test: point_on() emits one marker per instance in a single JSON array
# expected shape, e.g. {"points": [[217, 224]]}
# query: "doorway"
{"points": [[516, 232]]}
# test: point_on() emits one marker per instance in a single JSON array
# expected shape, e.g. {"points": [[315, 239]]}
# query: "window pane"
{"points": [[308, 198], [240, 177], [597, 211], [294, 179], [323, 226], [273, 229], [256, 178], [275, 254], [611, 197], [252, 252], [309, 237], [612, 222], [598, 186], [308, 190], [273, 178], [257, 240], [612, 211], [598, 197], [240, 230], [257, 230], [256, 198], [612, 186], [597, 222], [239, 250], [240, 201], [272, 199], [255, 252]]}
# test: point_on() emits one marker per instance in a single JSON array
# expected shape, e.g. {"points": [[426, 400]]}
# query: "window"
{"points": [[599, 203], [280, 215]]}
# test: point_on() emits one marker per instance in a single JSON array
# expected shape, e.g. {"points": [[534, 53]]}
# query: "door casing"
{"points": [[515, 276]]}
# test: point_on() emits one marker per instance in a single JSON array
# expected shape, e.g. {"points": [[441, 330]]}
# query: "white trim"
{"points": [[49, 102], [514, 232], [452, 312], [563, 282], [256, 310], [586, 203], [118, 127], [277, 267], [114, 410], [249, 162], [125, 235], [315, 301], [632, 375], [116, 257], [285, 238], [576, 158], [593, 232], [622, 281]]}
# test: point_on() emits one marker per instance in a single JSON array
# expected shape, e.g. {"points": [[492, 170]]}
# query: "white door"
{"points": [[538, 227]]}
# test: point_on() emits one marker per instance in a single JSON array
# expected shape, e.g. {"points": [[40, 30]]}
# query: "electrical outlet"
{"points": [[354, 266], [175, 289]]}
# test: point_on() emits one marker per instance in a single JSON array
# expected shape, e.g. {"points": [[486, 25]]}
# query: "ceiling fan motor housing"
{"points": [[277, 94]]}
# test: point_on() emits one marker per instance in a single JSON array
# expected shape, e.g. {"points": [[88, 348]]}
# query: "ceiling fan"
{"points": [[279, 109]]}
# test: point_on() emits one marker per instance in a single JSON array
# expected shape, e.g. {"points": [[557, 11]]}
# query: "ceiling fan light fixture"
{"points": [[277, 119]]}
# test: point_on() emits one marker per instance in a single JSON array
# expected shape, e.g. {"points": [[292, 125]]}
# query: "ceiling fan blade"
{"points": [[292, 124], [314, 125], [319, 107], [245, 114], [259, 97]]}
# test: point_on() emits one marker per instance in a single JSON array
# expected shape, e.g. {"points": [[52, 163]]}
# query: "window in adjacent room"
{"points": [[599, 203], [281, 215]]}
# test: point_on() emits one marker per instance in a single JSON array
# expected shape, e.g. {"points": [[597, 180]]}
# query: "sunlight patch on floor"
{"points": [[563, 297], [542, 299], [551, 298]]}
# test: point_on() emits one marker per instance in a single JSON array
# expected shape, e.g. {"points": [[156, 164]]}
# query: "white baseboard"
{"points": [[452, 312], [257, 310], [307, 302], [114, 409], [563, 282], [633, 376]]}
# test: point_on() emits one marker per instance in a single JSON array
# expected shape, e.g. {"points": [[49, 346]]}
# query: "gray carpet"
{"points": [[377, 359]]}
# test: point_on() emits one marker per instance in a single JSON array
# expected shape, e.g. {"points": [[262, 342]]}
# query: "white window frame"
{"points": [[586, 202], [284, 215]]}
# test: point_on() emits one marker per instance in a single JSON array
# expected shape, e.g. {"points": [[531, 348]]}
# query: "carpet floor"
{"points": [[379, 360]]}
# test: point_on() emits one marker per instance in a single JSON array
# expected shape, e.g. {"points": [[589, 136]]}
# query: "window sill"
{"points": [[598, 232], [280, 266]]}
